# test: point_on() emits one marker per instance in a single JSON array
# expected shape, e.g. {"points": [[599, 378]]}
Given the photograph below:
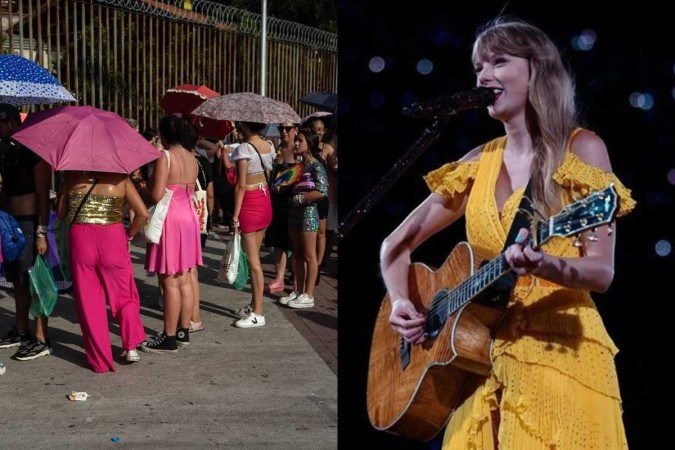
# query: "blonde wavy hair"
{"points": [[551, 111]]}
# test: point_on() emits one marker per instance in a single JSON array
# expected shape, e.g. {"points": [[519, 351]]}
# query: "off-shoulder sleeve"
{"points": [[451, 178], [576, 175]]}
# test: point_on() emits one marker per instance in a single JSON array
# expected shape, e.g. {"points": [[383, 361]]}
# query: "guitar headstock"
{"points": [[597, 208]]}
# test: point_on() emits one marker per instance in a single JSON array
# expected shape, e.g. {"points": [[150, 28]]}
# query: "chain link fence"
{"points": [[122, 55]]}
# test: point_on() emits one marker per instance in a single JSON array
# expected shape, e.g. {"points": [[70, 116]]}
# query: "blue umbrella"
{"points": [[23, 82]]}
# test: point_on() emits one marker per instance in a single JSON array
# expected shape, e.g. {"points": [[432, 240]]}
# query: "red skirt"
{"points": [[256, 210]]}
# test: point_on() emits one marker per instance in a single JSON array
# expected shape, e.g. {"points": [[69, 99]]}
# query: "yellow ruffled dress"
{"points": [[552, 356]]}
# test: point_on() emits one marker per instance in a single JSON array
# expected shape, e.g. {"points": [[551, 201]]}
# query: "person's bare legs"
{"points": [[22, 301], [196, 292], [321, 241], [22, 297], [298, 259], [309, 259], [280, 264], [251, 243], [41, 328], [178, 301]]}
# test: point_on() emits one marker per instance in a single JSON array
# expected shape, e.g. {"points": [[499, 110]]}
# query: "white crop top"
{"points": [[247, 151]]}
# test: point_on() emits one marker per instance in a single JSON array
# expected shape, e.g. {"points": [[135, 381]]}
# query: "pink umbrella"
{"points": [[85, 138]]}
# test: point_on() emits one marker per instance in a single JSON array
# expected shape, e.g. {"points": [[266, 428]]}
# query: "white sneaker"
{"points": [[288, 298], [253, 320], [3, 369], [301, 301], [131, 356]]}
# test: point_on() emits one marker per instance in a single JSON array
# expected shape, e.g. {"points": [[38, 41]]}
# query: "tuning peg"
{"points": [[577, 242], [593, 236]]}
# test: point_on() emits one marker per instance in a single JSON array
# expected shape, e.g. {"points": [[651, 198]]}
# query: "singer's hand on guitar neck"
{"points": [[522, 258], [407, 321]]}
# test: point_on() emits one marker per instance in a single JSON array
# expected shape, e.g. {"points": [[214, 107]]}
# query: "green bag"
{"points": [[242, 272], [43, 290]]}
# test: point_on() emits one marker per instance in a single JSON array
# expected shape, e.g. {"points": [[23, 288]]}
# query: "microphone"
{"points": [[478, 97]]}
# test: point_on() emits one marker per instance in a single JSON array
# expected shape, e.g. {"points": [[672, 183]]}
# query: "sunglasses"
{"points": [[288, 129]]}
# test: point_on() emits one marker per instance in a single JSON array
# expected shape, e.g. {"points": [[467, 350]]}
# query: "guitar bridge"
{"points": [[405, 353]]}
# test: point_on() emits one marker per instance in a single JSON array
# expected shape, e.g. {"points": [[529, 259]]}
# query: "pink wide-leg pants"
{"points": [[101, 269]]}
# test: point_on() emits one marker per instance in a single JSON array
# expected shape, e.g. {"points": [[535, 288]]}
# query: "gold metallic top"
{"points": [[99, 209]]}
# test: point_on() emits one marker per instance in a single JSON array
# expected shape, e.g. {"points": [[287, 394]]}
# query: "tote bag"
{"points": [[153, 229], [202, 211], [43, 290], [229, 264]]}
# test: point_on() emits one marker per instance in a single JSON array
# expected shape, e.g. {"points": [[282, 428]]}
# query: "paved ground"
{"points": [[269, 387]]}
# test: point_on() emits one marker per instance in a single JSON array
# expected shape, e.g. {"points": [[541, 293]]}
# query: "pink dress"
{"points": [[179, 249]]}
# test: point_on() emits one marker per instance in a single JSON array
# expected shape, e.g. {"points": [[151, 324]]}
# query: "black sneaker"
{"points": [[14, 339], [160, 344], [183, 337], [33, 350]]}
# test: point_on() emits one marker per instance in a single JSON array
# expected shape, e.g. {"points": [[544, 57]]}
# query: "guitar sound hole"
{"points": [[437, 314]]}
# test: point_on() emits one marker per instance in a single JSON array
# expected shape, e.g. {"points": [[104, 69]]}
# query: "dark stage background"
{"points": [[632, 53]]}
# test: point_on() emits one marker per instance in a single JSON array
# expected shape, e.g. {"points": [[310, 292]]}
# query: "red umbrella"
{"points": [[183, 99], [211, 128], [85, 138]]}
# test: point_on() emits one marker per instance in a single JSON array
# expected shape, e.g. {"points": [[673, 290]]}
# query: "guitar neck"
{"points": [[474, 285]]}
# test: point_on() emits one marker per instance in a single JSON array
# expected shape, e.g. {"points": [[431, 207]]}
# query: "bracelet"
{"points": [[42, 229], [299, 199]]}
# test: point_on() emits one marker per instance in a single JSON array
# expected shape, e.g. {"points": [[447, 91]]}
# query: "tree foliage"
{"points": [[321, 14]]}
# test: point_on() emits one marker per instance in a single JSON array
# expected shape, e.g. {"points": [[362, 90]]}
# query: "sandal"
{"points": [[195, 326], [276, 287]]}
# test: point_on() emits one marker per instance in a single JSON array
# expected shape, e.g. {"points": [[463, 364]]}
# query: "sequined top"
{"points": [[98, 209]]}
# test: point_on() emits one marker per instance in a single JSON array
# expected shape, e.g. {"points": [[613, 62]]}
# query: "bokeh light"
{"points": [[376, 64], [425, 66], [662, 248], [585, 41], [641, 100], [671, 176]]}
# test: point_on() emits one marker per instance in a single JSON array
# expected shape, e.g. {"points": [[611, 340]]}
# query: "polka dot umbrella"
{"points": [[23, 82]]}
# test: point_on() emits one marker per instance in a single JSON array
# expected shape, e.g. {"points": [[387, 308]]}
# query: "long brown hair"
{"points": [[551, 110]]}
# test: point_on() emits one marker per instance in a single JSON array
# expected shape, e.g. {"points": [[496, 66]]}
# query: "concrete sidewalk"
{"points": [[268, 387]]}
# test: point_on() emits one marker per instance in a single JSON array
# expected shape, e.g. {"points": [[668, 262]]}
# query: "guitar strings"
{"points": [[491, 271]]}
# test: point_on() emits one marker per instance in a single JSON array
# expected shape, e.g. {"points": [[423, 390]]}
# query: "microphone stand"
{"points": [[428, 137]]}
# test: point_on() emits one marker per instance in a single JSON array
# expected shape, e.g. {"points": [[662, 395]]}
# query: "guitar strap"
{"points": [[520, 219], [502, 287]]}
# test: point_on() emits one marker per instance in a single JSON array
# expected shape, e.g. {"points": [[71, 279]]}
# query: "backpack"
{"points": [[11, 237]]}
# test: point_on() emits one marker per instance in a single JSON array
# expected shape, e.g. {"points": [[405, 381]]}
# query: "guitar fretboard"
{"points": [[476, 283]]}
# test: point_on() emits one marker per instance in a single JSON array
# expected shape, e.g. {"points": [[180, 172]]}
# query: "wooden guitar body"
{"points": [[417, 400]]}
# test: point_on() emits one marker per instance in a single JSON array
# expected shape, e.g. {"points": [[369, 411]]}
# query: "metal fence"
{"points": [[122, 55]]}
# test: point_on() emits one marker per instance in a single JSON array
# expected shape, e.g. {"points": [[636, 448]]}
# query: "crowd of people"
{"points": [[105, 211]]}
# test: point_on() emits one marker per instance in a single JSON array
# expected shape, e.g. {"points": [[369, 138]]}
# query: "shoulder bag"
{"points": [[153, 229], [199, 203]]}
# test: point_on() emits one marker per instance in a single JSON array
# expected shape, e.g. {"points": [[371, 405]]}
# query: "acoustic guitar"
{"points": [[413, 390]]}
